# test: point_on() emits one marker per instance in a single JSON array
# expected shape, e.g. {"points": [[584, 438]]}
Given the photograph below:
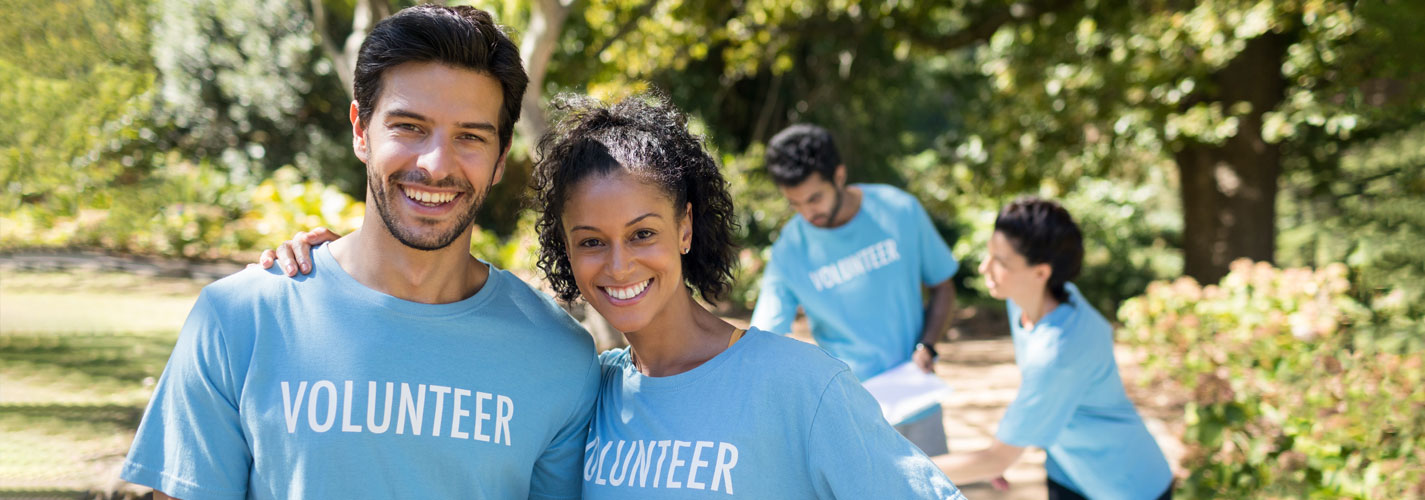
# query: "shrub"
{"points": [[1295, 388]]}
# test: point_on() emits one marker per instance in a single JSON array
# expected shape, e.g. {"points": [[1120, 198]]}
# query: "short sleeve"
{"points": [[776, 304], [854, 453], [937, 264], [1055, 378], [190, 443], [556, 473]]}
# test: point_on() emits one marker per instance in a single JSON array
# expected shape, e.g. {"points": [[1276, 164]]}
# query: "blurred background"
{"points": [[147, 145]]}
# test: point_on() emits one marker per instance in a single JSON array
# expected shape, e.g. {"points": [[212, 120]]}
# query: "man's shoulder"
{"points": [[252, 285], [890, 197], [542, 314]]}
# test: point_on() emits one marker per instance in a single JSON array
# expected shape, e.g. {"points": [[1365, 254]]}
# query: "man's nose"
{"points": [[437, 160]]}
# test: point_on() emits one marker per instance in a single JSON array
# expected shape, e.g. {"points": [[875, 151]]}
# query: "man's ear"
{"points": [[500, 165], [839, 176], [358, 134]]}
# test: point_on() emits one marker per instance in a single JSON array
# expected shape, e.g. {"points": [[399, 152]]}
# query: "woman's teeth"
{"points": [[427, 197], [627, 292]]}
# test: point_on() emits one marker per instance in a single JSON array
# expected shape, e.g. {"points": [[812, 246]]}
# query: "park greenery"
{"points": [[1182, 135]]}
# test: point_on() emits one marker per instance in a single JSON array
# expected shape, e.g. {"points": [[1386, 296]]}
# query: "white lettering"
{"points": [[693, 465], [860, 262], [506, 411], [331, 406], [662, 452], [292, 406], [456, 413], [618, 452], [371, 408], [346, 425], [643, 466], [726, 460], [599, 471], [440, 392], [589, 462], [481, 416], [675, 462], [415, 408]]}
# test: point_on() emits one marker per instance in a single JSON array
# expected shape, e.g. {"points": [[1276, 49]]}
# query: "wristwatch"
{"points": [[927, 348]]}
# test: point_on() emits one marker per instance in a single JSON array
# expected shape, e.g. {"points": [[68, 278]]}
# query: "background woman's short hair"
{"points": [[1044, 233]]}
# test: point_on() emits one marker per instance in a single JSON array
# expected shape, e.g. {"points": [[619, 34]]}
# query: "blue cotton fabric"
{"points": [[770, 417], [319, 387], [1071, 403], [859, 284]]}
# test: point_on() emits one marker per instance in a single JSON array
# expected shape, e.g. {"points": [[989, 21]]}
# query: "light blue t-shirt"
{"points": [[859, 284], [1071, 403], [319, 387], [770, 417]]}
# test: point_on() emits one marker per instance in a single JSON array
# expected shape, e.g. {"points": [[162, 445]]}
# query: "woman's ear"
{"points": [[1042, 272], [685, 229]]}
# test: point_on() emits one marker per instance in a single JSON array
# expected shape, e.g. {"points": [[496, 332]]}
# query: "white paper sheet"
{"points": [[906, 390]]}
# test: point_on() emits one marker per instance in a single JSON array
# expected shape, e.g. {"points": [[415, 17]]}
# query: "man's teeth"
{"points": [[428, 197], [628, 292]]}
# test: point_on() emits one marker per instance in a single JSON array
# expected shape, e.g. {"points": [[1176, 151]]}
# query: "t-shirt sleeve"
{"points": [[854, 453], [776, 304], [1055, 378], [937, 264], [556, 473], [190, 443]]}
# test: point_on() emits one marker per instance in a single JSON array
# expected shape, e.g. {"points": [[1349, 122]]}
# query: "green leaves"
{"points": [[1295, 386]]}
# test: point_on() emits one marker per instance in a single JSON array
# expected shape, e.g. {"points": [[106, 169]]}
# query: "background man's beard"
{"points": [[830, 218], [412, 238]]}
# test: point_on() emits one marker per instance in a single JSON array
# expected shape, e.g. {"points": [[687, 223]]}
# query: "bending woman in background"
{"points": [[1071, 401], [635, 216]]}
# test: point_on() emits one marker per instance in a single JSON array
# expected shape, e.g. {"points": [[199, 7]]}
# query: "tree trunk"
{"points": [[546, 22], [367, 13], [540, 39], [1229, 190]]}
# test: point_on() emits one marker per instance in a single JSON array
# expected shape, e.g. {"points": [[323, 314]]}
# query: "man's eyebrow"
{"points": [[486, 126]]}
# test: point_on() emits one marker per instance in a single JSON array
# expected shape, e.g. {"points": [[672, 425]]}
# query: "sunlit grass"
{"points": [[79, 354]]}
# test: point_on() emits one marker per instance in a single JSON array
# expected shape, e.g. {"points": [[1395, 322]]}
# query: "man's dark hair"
{"points": [[1044, 233], [647, 137], [800, 150], [462, 37]]}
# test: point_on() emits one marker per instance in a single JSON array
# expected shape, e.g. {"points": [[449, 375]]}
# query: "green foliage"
{"points": [[72, 111], [1375, 194], [245, 85], [1130, 230], [1296, 388]]}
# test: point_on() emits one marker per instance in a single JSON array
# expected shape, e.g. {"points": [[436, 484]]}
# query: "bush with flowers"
{"points": [[1294, 388]]}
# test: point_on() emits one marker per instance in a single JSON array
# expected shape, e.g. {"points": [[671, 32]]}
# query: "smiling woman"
{"points": [[635, 216]]}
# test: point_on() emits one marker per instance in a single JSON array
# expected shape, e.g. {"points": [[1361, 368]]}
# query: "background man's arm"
{"points": [[938, 313]]}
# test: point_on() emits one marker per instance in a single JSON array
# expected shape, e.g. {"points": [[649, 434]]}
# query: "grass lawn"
{"points": [[79, 354]]}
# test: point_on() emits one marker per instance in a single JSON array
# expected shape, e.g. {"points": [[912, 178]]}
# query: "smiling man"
{"points": [[401, 366], [856, 259]]}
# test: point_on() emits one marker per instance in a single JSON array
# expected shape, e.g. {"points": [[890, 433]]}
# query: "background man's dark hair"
{"points": [[463, 37], [800, 150], [1044, 233], [647, 137]]}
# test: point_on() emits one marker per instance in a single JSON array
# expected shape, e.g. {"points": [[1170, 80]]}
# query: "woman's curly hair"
{"points": [[648, 137]]}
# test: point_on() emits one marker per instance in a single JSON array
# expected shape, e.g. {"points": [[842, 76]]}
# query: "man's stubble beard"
{"points": [[383, 197]]}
